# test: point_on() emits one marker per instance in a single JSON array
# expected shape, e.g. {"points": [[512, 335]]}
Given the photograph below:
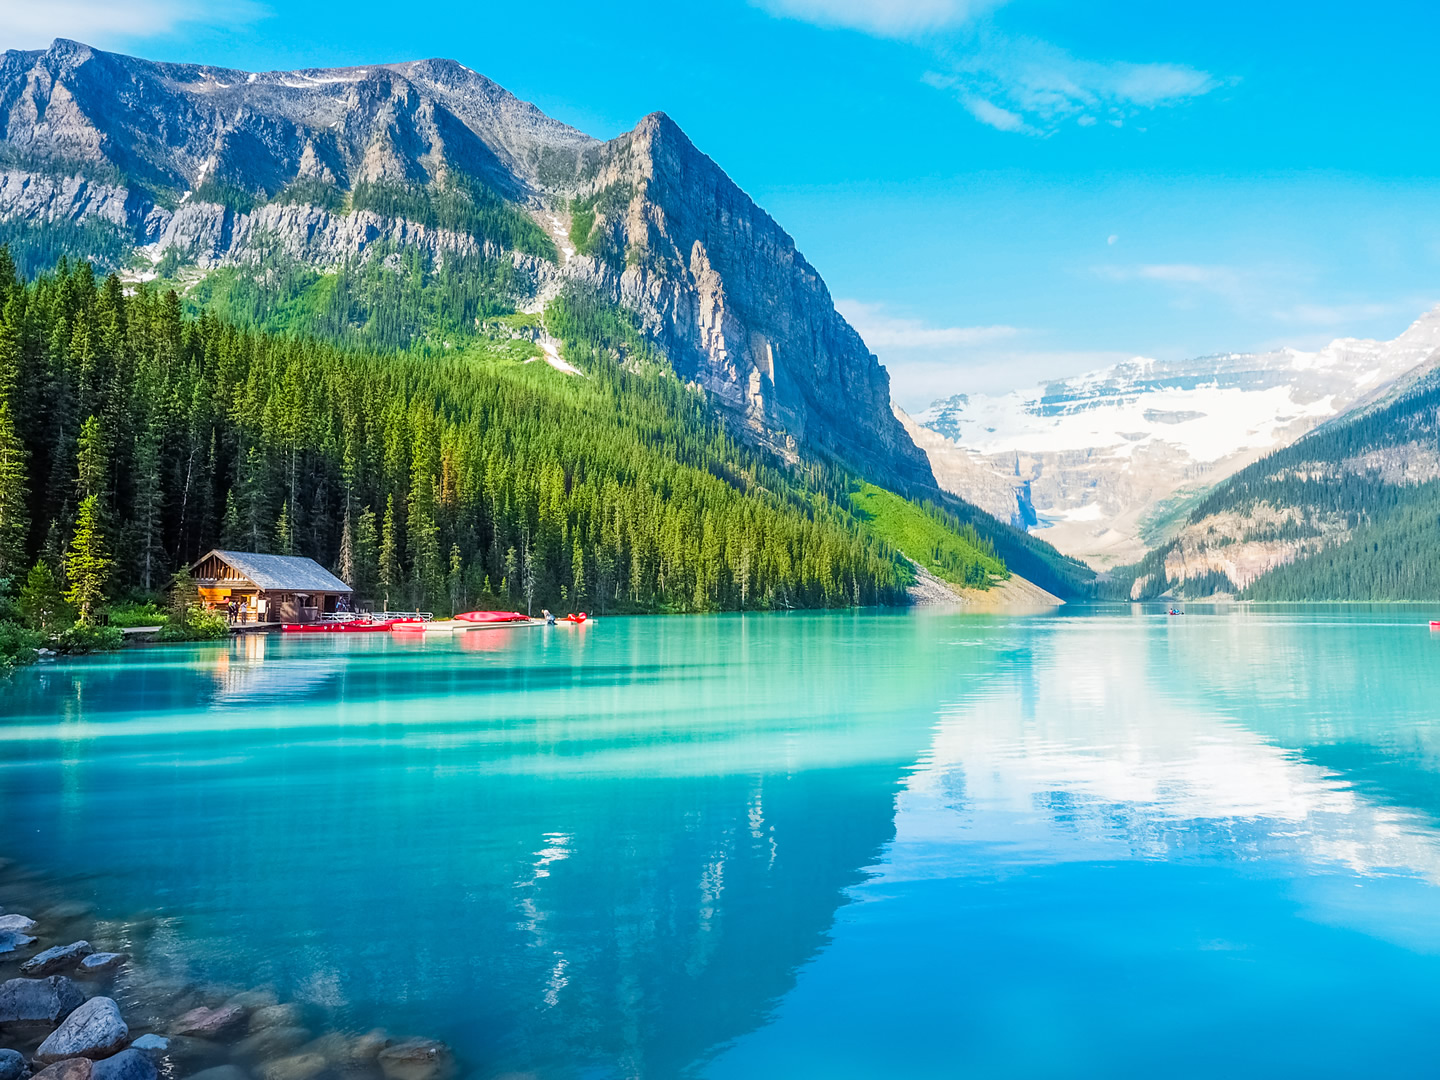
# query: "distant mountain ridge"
{"points": [[124, 159], [1094, 463]]}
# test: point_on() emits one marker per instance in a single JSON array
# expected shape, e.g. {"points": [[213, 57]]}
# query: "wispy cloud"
{"points": [[883, 18], [1341, 315], [1013, 84], [882, 331], [1033, 87], [33, 25], [928, 361], [1232, 283]]}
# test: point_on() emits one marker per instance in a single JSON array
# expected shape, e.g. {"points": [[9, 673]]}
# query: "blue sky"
{"points": [[996, 192]]}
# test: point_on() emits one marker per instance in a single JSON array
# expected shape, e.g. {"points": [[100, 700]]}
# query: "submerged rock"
{"points": [[208, 1023], [347, 1051], [129, 1064], [287, 1015], [102, 961], [18, 924], [222, 1072], [60, 958], [46, 1001], [94, 1030], [272, 1042], [299, 1067], [151, 1044], [69, 1069], [10, 940], [417, 1059], [13, 1066], [254, 999]]}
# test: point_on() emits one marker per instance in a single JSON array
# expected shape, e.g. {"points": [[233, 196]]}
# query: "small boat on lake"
{"points": [[576, 618], [1435, 624]]}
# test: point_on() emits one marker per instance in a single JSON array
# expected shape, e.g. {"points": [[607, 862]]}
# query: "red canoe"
{"points": [[1434, 624], [492, 617], [575, 618]]}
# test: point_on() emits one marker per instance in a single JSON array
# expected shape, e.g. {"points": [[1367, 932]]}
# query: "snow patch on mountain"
{"points": [[1090, 460]]}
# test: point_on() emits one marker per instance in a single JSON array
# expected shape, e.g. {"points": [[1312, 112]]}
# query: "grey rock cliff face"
{"points": [[89, 135], [736, 306]]}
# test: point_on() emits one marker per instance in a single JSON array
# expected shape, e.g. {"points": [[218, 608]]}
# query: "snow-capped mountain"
{"points": [[1093, 462]]}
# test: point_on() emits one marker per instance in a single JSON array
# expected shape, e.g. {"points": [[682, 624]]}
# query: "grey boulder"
{"points": [[46, 1001], [19, 924], [60, 958], [127, 1065], [417, 1059], [69, 1069], [94, 1030], [207, 1023], [152, 1043], [10, 940], [102, 961], [12, 1065]]}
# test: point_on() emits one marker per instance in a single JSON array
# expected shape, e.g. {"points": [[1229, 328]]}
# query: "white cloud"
{"points": [[1038, 86], [883, 18], [927, 362], [33, 25], [1312, 314], [987, 112], [882, 331]]}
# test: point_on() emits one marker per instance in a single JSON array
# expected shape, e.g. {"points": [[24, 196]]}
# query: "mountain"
{"points": [[340, 184], [1350, 512], [1103, 463]]}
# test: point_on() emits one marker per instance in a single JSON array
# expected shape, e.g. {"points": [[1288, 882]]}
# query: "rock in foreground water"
{"points": [[60, 958], [417, 1059], [46, 1001], [272, 1042], [151, 1044], [102, 961], [94, 1030], [299, 1067], [129, 1064], [287, 1015], [10, 940], [208, 1023], [69, 1069], [18, 924], [13, 1066]]}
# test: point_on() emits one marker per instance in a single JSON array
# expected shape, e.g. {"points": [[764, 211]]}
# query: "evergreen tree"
{"points": [[14, 499], [367, 555], [389, 552], [284, 544], [87, 563], [42, 604], [90, 461], [345, 568]]}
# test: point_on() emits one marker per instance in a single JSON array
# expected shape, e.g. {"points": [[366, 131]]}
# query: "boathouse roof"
{"points": [[276, 573]]}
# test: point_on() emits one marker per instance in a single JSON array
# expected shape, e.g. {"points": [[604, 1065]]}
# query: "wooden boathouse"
{"points": [[269, 588]]}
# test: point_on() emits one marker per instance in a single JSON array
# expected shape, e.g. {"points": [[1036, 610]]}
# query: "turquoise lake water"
{"points": [[1092, 844]]}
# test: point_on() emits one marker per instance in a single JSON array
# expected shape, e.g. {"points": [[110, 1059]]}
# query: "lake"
{"points": [[1095, 843]]}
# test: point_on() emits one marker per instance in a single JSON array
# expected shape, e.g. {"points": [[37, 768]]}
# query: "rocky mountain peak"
{"points": [[212, 163]]}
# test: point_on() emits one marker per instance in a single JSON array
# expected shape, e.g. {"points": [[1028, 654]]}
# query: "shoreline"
{"points": [[86, 998]]}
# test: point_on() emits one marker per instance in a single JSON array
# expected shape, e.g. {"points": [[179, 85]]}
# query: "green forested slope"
{"points": [[437, 481], [951, 551]]}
